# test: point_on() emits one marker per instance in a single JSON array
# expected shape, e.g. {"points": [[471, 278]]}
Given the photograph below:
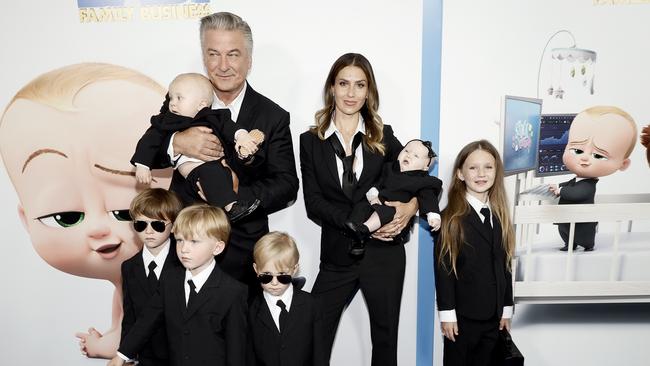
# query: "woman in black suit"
{"points": [[341, 158], [476, 245]]}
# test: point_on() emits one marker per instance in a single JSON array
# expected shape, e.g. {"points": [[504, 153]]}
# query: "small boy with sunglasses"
{"points": [[285, 323], [153, 212]]}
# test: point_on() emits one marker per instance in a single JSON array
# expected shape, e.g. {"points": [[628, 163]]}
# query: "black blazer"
{"points": [[163, 125], [211, 332], [271, 176], [484, 285], [136, 295], [300, 344], [581, 192], [325, 201]]}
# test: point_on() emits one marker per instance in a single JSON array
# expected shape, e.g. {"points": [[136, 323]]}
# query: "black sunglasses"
{"points": [[157, 225], [265, 278]]}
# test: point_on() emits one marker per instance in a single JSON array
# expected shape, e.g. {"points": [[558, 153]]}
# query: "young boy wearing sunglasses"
{"points": [[153, 212], [285, 323]]}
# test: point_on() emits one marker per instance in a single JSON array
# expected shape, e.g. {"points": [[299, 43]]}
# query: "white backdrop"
{"points": [[295, 44]]}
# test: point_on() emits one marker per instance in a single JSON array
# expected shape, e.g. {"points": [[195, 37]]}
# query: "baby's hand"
{"points": [[94, 344], [116, 361], [434, 223], [143, 174], [247, 143], [554, 188]]}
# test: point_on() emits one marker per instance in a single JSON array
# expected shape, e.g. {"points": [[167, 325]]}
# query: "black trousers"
{"points": [[380, 277], [216, 183], [475, 343]]}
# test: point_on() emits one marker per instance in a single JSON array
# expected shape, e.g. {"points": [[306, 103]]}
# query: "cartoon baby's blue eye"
{"points": [[121, 215], [599, 156], [62, 219], [577, 151]]}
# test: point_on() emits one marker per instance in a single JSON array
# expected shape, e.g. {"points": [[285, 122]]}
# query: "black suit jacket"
{"points": [[484, 285], [136, 295], [300, 344], [211, 332], [270, 177], [163, 125], [325, 201], [573, 193]]}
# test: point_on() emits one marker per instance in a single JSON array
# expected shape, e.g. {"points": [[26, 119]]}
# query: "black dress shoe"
{"points": [[360, 234], [241, 209], [590, 249], [566, 248]]}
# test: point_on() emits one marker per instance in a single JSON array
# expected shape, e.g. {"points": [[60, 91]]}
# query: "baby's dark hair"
{"points": [[430, 153]]}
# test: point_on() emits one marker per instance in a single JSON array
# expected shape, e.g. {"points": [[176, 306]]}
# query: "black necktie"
{"points": [[283, 314], [192, 292], [349, 179], [486, 218], [152, 280]]}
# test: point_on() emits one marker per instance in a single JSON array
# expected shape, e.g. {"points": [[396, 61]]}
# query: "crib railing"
{"points": [[527, 217]]}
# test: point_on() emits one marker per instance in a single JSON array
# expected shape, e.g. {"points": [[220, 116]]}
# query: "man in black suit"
{"points": [[227, 45], [202, 308]]}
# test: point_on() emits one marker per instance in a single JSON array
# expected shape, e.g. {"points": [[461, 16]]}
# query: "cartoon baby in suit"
{"points": [[66, 139], [601, 140]]}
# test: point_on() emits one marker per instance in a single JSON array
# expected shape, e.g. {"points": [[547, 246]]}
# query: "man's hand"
{"points": [[143, 174], [449, 330], [403, 213], [198, 142]]}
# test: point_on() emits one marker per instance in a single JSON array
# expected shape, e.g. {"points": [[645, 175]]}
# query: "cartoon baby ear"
{"points": [[625, 164]]}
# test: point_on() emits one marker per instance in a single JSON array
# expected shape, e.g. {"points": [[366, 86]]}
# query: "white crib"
{"points": [[617, 271]]}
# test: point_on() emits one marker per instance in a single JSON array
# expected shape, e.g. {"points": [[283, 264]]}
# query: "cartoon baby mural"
{"points": [[601, 140], [66, 139], [645, 141]]}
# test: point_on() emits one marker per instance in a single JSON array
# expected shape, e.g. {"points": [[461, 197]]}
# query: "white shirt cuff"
{"points": [[372, 194], [170, 150], [507, 312], [142, 166], [447, 316], [433, 215], [126, 359]]}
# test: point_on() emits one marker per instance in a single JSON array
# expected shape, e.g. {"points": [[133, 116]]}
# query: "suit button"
{"points": [[187, 357], [186, 332]]}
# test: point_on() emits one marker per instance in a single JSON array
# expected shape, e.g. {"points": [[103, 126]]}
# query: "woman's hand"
{"points": [[403, 214], [449, 330], [198, 142]]}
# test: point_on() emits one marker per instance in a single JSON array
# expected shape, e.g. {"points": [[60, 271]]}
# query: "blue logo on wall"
{"points": [[96, 11]]}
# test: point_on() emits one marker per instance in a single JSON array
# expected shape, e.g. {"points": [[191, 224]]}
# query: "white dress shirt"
{"points": [[147, 257], [199, 279], [272, 303], [477, 205], [358, 153]]}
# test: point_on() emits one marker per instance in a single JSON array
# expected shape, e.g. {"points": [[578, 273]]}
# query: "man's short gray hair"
{"points": [[228, 22]]}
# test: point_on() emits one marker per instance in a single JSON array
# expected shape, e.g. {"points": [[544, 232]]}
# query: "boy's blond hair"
{"points": [[276, 247], [156, 203], [202, 220]]}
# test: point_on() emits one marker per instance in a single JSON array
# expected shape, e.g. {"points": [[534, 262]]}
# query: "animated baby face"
{"points": [[72, 174], [599, 145]]}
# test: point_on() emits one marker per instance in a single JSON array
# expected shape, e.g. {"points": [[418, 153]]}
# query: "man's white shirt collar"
{"points": [[234, 106]]}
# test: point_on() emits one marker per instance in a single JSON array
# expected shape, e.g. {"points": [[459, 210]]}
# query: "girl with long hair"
{"points": [[473, 253]]}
